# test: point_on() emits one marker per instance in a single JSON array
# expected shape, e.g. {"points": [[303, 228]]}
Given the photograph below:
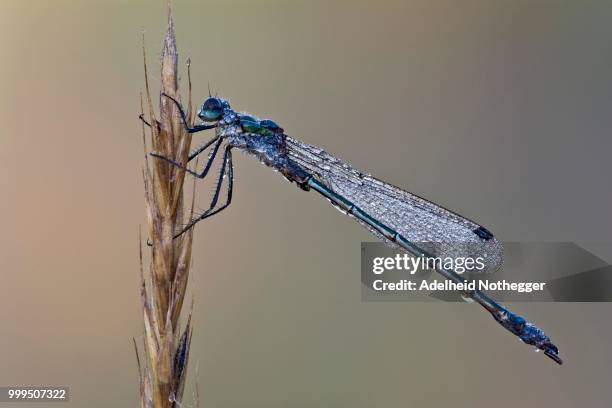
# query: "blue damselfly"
{"points": [[399, 218]]}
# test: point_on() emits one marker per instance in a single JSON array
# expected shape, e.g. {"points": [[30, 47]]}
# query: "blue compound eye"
{"points": [[211, 110]]}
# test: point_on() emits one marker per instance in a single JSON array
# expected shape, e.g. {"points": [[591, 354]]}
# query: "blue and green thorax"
{"points": [[263, 127]]}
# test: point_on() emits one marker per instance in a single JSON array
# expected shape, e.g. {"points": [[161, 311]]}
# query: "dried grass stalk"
{"points": [[166, 345]]}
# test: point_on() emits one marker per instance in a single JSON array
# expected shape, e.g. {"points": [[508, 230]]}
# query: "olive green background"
{"points": [[498, 110]]}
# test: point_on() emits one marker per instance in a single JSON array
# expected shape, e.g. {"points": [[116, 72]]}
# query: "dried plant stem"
{"points": [[166, 345]]}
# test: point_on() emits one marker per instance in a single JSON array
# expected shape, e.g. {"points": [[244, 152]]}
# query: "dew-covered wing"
{"points": [[437, 230]]}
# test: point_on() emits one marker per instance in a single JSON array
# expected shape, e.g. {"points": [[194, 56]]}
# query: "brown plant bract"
{"points": [[166, 345]]}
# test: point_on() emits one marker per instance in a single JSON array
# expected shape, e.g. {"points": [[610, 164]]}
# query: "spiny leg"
{"points": [[229, 165], [206, 169], [227, 159], [197, 128], [200, 149]]}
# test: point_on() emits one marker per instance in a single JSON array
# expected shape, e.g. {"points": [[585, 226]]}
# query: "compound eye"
{"points": [[211, 110]]}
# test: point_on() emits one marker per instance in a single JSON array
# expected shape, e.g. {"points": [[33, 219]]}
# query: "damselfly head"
{"points": [[211, 110]]}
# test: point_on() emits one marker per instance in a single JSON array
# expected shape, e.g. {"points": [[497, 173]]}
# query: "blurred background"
{"points": [[498, 110]]}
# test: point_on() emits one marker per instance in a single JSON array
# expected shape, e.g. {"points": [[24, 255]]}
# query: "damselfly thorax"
{"points": [[263, 139]]}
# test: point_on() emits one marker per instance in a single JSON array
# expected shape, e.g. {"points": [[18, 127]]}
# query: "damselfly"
{"points": [[399, 218]]}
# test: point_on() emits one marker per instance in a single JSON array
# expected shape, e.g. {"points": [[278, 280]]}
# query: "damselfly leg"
{"points": [[196, 128], [208, 165], [227, 169], [194, 153]]}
